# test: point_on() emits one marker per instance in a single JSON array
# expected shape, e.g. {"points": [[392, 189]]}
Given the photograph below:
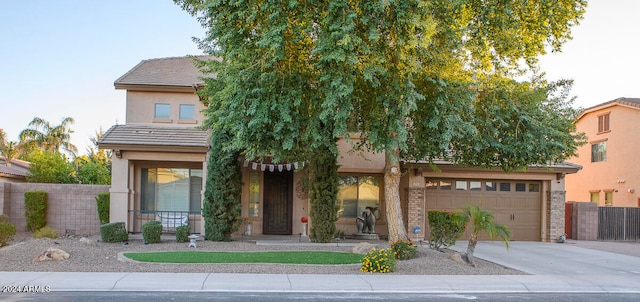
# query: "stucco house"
{"points": [[13, 170], [610, 175], [160, 163]]}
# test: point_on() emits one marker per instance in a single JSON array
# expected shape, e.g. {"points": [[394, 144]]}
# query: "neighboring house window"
{"points": [[187, 112], [603, 123], [599, 152], [254, 194], [595, 197], [608, 198], [171, 189], [162, 111], [356, 193]]}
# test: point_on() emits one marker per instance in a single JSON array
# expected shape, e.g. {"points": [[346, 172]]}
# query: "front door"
{"points": [[278, 203]]}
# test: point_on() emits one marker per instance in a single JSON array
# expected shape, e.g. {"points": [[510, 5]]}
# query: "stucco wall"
{"points": [[71, 207], [141, 107], [619, 173]]}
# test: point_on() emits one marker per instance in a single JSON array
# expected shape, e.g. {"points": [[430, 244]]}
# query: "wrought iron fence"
{"points": [[618, 223], [170, 220]]}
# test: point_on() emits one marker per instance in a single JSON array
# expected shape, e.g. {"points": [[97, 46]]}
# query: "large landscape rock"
{"points": [[362, 248], [53, 254]]}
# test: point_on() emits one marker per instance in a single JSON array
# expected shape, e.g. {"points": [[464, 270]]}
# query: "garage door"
{"points": [[517, 204]]}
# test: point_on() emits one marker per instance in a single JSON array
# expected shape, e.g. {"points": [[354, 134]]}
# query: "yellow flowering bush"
{"points": [[378, 261], [404, 250]]}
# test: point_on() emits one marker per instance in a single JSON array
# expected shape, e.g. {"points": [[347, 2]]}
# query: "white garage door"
{"points": [[517, 204]]}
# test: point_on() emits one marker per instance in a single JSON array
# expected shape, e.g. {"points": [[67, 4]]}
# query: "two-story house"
{"points": [[610, 175], [159, 167]]}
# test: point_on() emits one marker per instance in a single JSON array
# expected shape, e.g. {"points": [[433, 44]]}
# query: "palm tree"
{"points": [[482, 220], [49, 137]]}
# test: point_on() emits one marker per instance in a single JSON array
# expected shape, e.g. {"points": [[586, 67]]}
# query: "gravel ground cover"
{"points": [[21, 253]]}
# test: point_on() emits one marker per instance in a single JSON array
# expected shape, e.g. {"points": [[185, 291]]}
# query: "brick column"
{"points": [[555, 208]]}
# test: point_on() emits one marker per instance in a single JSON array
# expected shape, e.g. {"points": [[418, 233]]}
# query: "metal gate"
{"points": [[618, 223]]}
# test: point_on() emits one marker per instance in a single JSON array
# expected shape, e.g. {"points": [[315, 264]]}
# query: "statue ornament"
{"points": [[367, 222]]}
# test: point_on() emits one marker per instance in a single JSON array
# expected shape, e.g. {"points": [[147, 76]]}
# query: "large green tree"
{"points": [[419, 79]]}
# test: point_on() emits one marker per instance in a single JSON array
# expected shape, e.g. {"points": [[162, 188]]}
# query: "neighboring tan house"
{"points": [[160, 166], [611, 166], [14, 170]]}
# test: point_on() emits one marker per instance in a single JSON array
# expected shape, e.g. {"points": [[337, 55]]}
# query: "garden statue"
{"points": [[368, 220]]}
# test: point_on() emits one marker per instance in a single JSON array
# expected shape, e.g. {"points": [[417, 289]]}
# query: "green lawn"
{"points": [[288, 257]]}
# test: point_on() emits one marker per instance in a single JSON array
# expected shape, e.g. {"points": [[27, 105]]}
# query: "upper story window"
{"points": [[162, 111], [599, 151], [187, 112], [603, 123]]}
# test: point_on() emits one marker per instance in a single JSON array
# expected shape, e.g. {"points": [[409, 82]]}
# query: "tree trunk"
{"points": [[472, 247], [392, 174]]}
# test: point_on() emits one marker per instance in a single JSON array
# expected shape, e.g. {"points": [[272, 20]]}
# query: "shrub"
{"points": [[46, 232], [35, 209], [182, 233], [446, 228], [378, 261], [7, 230], [114, 232], [103, 202], [404, 250], [152, 231]]}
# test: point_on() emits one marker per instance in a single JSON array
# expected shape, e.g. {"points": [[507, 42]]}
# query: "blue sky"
{"points": [[60, 58]]}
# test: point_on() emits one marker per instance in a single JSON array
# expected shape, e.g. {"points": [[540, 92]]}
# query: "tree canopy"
{"points": [[45, 136], [418, 79]]}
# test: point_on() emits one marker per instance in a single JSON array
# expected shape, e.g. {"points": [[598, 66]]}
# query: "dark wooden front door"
{"points": [[278, 203]]}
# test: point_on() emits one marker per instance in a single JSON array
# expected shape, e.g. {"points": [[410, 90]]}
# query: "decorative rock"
{"points": [[53, 255], [362, 248], [88, 241]]}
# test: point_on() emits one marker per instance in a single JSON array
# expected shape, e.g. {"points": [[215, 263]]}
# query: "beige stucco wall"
{"points": [[619, 173], [141, 107]]}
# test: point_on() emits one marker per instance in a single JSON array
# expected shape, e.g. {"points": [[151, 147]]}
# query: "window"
{"points": [[603, 123], [608, 198], [505, 187], [356, 193], [162, 111], [445, 185], [521, 187], [534, 187], [595, 197], [461, 185], [187, 112], [489, 186], [599, 152], [475, 185], [171, 189], [431, 184], [254, 194]]}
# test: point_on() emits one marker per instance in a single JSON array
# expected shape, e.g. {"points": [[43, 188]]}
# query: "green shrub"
{"points": [[378, 261], [114, 232], [152, 231], [35, 209], [103, 201], [404, 250], [46, 232], [182, 233], [446, 228], [7, 230]]}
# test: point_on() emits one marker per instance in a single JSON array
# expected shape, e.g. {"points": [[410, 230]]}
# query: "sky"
{"points": [[60, 58]]}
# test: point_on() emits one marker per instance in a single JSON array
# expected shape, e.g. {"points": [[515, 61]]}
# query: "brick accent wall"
{"points": [[71, 207], [555, 212], [416, 212]]}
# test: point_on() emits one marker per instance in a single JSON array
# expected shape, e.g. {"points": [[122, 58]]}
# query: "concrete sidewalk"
{"points": [[553, 268]]}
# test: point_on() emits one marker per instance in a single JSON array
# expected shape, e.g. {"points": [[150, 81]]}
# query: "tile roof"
{"points": [[17, 168], [154, 136], [177, 71], [632, 102]]}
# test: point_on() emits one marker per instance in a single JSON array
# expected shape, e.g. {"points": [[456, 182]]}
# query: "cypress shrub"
{"points": [[182, 233], [323, 191], [114, 232], [152, 231], [103, 203], [222, 205], [35, 209]]}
